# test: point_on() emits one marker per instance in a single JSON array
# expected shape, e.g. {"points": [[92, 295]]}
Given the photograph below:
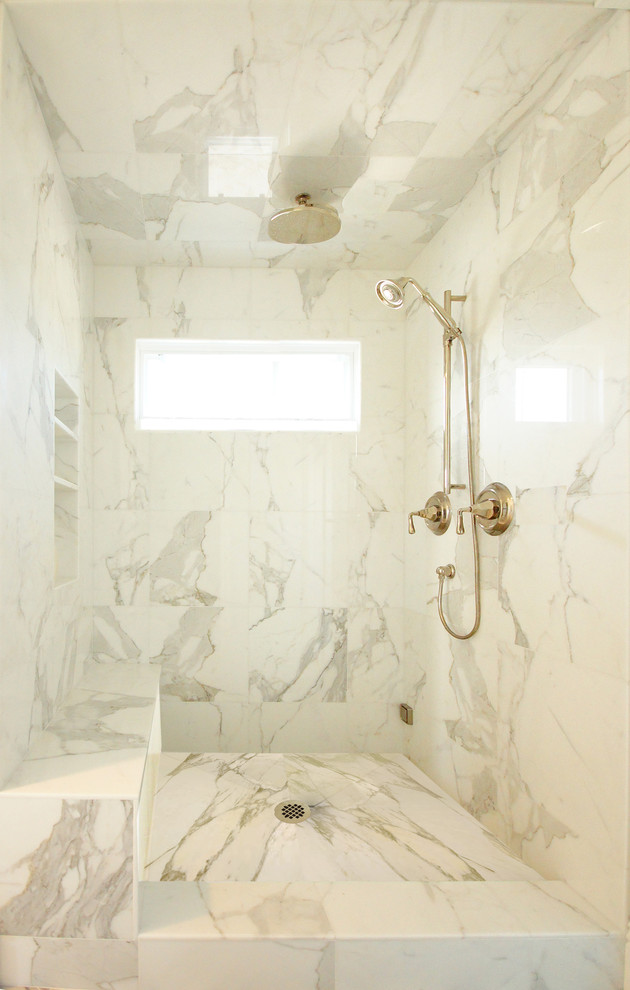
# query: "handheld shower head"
{"points": [[391, 293]]}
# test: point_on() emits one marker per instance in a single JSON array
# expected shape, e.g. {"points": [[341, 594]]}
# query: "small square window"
{"points": [[248, 385]]}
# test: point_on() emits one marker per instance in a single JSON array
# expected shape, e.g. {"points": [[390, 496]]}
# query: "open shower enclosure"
{"points": [[267, 581]]}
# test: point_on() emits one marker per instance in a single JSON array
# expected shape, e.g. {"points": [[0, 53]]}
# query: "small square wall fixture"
{"points": [[238, 167], [300, 385]]}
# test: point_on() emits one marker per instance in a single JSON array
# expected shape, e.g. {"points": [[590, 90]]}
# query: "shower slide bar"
{"points": [[448, 344]]}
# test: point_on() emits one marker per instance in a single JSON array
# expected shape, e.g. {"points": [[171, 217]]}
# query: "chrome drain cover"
{"points": [[292, 811]]}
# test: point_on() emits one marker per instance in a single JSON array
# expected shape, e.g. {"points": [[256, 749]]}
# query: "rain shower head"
{"points": [[392, 293], [305, 223]]}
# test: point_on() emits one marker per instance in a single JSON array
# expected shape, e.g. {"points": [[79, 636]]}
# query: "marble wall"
{"points": [[526, 724], [263, 572], [45, 298]]}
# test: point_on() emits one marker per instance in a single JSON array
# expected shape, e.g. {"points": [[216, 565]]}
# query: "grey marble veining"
{"points": [[357, 110], [527, 722], [91, 964], [45, 287], [80, 881], [96, 724], [180, 563], [373, 818], [70, 814]]}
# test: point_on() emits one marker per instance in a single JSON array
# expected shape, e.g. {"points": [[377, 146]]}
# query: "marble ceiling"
{"points": [[181, 125]]}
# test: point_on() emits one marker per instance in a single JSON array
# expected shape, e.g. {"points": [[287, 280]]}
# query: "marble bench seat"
{"points": [[74, 820]]}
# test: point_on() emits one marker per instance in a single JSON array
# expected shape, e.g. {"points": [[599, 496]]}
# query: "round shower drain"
{"points": [[292, 811]]}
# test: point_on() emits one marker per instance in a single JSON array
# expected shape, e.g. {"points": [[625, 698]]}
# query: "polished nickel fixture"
{"points": [[304, 223], [494, 508], [436, 514]]}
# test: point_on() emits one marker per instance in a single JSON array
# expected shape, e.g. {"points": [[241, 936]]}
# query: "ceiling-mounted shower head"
{"points": [[304, 223], [391, 292]]}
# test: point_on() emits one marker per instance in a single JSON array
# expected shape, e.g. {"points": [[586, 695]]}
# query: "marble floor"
{"points": [[373, 817]]}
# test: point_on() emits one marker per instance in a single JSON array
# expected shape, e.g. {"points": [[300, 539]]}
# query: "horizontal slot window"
{"points": [[248, 385]]}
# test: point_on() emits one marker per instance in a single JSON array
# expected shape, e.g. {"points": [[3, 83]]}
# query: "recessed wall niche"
{"points": [[66, 482]]}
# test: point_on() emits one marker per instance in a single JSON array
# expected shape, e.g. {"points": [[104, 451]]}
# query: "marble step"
{"points": [[374, 936]]}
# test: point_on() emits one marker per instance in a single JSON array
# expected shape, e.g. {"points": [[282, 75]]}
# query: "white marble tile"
{"points": [[57, 897], [376, 568], [219, 223], [121, 558], [301, 727], [198, 558], [204, 726], [375, 727], [388, 909], [401, 98], [113, 370], [105, 193], [117, 293], [377, 466], [586, 425], [181, 99], [146, 795], [86, 724], [301, 472], [583, 110], [120, 632], [308, 964], [382, 369], [217, 293], [593, 608], [44, 306], [80, 964], [280, 294], [61, 648], [370, 820], [299, 559], [601, 255], [489, 713], [120, 463], [202, 652], [587, 964], [95, 745], [298, 654], [593, 816], [199, 471], [137, 680], [101, 123], [375, 655]]}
